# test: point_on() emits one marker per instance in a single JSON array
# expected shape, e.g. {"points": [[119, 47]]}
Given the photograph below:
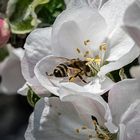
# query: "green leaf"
{"points": [[47, 13], [32, 97], [22, 16], [3, 53]]}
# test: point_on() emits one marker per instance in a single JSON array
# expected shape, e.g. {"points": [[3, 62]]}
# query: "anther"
{"points": [[78, 50], [86, 42], [86, 54], [84, 127], [103, 47], [77, 130]]}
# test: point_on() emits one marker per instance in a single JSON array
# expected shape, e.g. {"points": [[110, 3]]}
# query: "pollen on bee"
{"points": [[71, 79], [103, 47], [86, 42]]}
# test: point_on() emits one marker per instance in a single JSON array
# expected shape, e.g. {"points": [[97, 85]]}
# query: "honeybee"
{"points": [[72, 68]]}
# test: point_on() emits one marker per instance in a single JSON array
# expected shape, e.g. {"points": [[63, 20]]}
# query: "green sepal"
{"points": [[32, 97], [3, 53]]}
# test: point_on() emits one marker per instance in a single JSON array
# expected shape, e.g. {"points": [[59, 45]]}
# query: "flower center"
{"points": [[98, 131], [94, 62]]}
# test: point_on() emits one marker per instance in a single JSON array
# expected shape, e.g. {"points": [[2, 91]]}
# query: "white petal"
{"points": [[92, 105], [54, 120], [132, 21], [10, 72], [38, 45], [119, 45], [23, 90], [124, 60], [76, 25], [69, 39], [47, 64], [131, 122], [39, 90], [113, 12], [96, 3], [121, 96], [96, 86], [135, 71], [75, 3]]}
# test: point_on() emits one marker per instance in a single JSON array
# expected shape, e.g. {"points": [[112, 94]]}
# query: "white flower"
{"points": [[124, 102], [74, 117], [132, 26], [132, 21], [31, 56], [82, 32], [10, 71], [56, 120]]}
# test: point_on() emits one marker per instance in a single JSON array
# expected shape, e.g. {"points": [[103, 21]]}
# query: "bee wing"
{"points": [[66, 59], [72, 71]]}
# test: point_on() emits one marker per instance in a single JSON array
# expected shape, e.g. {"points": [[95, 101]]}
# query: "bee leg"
{"points": [[71, 78], [81, 78], [49, 74]]}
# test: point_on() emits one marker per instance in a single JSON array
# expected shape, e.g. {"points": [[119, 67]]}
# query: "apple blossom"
{"points": [[31, 57], [83, 33], [132, 22], [124, 103], [132, 27], [57, 120], [10, 71]]}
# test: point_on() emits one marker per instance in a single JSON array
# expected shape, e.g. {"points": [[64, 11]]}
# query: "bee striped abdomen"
{"points": [[60, 70]]}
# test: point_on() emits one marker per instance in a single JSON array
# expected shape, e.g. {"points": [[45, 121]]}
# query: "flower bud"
{"points": [[4, 32]]}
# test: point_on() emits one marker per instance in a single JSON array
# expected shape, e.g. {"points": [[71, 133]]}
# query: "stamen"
{"points": [[86, 42], [78, 50], [77, 130], [84, 127], [86, 54], [101, 133], [97, 59], [103, 47]]}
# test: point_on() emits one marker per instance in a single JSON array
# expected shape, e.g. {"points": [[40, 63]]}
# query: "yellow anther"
{"points": [[77, 130], [103, 47], [86, 54], [84, 127], [86, 42], [90, 136], [78, 50], [97, 59]]}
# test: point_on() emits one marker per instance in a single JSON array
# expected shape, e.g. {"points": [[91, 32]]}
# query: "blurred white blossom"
{"points": [[132, 27], [79, 117], [10, 71]]}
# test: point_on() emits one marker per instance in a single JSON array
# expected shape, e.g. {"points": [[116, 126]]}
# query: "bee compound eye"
{"points": [[57, 73]]}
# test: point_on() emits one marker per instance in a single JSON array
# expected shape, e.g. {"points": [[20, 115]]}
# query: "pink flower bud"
{"points": [[4, 32]]}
